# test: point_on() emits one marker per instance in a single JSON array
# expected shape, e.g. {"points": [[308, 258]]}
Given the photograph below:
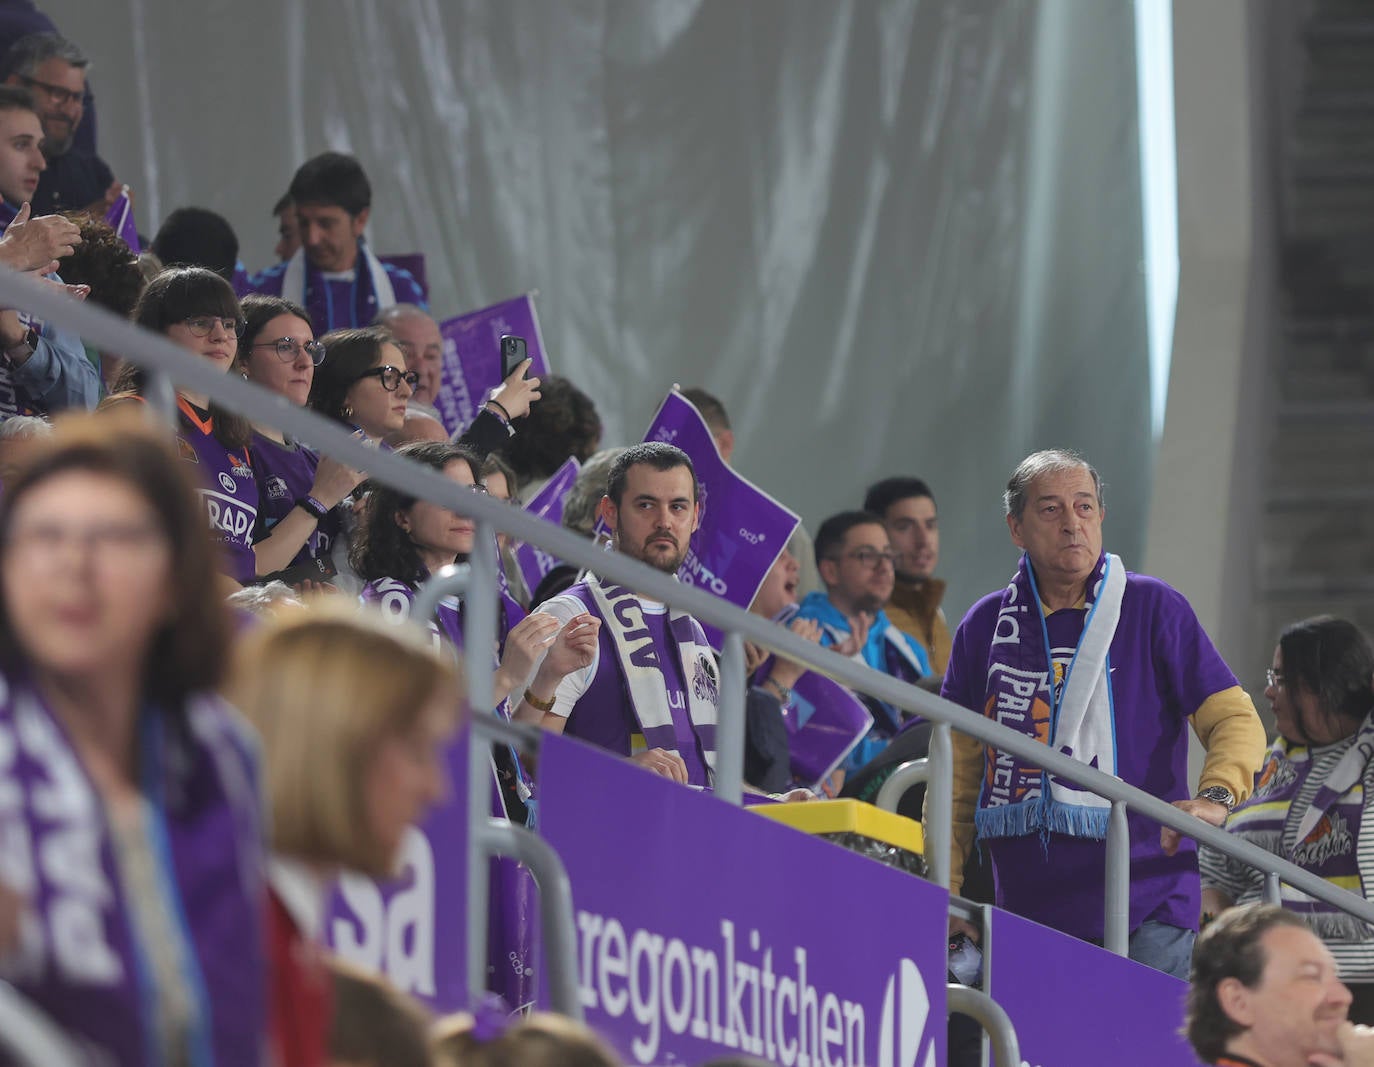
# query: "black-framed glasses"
{"points": [[391, 377], [60, 96], [287, 348], [871, 557], [204, 325], [1273, 677]]}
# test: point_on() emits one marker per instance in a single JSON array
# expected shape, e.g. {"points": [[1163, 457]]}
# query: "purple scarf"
{"points": [[81, 960], [1069, 708]]}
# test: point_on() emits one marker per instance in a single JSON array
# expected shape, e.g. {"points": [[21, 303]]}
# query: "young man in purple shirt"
{"points": [[334, 273], [1114, 668]]}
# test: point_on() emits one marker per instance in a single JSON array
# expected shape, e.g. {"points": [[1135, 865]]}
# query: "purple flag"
{"points": [[743, 529], [472, 355], [704, 930], [121, 220], [547, 504], [824, 722], [1052, 985]]}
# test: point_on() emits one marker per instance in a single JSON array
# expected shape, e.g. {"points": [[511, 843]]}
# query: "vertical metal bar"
{"points": [[729, 778], [1116, 927], [479, 614], [1273, 891], [556, 920], [992, 1016], [939, 804], [479, 868], [161, 396]]}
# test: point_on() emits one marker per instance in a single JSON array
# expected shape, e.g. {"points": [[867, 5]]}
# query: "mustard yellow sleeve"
{"points": [[1230, 730], [968, 775]]}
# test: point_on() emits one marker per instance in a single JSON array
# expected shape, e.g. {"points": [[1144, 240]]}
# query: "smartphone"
{"points": [[512, 354]]}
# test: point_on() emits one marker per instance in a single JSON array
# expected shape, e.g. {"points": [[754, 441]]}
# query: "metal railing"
{"points": [[29, 1035], [162, 357]]}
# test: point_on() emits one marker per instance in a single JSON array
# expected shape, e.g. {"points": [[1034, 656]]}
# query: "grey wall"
{"points": [[892, 236]]}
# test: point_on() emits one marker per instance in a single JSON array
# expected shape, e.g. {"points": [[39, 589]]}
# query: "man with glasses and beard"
{"points": [[53, 69], [652, 691]]}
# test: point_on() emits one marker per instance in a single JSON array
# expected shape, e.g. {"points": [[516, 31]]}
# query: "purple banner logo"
{"points": [[121, 219], [472, 355], [696, 938], [743, 529], [547, 504]]}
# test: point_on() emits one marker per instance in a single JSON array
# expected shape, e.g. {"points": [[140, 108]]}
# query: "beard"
{"points": [[653, 553]]}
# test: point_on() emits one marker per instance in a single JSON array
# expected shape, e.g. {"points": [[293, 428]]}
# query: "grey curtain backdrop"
{"points": [[894, 237]]}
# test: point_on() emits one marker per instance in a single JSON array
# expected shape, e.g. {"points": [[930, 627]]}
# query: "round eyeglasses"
{"points": [[391, 377], [288, 349], [204, 325]]}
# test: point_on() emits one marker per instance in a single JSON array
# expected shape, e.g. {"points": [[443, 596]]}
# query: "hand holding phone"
{"points": [[513, 353]]}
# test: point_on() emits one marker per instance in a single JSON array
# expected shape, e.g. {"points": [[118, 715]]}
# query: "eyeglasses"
{"points": [[47, 540], [204, 325], [1273, 677], [391, 377], [869, 557], [59, 96], [287, 349]]}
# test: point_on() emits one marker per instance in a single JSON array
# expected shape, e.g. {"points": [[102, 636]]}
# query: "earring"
{"points": [[347, 412]]}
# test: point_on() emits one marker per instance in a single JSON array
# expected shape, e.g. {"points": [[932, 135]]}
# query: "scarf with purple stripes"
{"points": [[1320, 835], [623, 618]]}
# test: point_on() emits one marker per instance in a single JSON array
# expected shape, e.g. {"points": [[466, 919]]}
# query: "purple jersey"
{"points": [[1163, 668], [285, 473], [227, 488], [339, 300]]}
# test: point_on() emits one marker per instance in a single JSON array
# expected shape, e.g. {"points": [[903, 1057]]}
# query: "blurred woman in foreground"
{"points": [[130, 815]]}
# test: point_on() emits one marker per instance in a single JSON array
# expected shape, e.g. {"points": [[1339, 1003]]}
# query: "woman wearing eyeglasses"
{"points": [[401, 541], [363, 382], [300, 491], [1312, 792], [197, 309]]}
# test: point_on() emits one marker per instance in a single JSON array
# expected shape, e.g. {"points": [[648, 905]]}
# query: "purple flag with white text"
{"points": [[121, 220], [472, 355], [743, 529], [547, 504]]}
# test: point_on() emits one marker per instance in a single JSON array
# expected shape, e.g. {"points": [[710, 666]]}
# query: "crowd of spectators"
{"points": [[121, 621]]}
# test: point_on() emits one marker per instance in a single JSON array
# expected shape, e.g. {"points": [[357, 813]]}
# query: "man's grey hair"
{"points": [[390, 314], [1048, 461], [579, 507], [29, 53], [24, 428]]}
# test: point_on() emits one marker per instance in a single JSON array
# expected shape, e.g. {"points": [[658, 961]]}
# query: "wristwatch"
{"points": [[24, 349], [1218, 794]]}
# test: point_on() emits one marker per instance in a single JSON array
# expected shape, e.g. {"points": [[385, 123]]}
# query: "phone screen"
{"points": [[512, 354]]}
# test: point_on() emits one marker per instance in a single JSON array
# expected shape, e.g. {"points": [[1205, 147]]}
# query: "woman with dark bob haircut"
{"points": [[401, 541], [198, 310], [131, 788], [1312, 792]]}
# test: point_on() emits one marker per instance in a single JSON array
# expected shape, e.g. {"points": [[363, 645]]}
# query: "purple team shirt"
{"points": [[1164, 668], [227, 489], [285, 473]]}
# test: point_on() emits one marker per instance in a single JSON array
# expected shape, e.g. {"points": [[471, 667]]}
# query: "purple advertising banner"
{"points": [[824, 722], [705, 930], [411, 929], [547, 505], [1059, 991], [120, 218], [472, 355], [743, 529]]}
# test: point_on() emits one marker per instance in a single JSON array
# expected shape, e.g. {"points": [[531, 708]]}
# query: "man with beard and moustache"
{"points": [[53, 69], [907, 508], [652, 691]]}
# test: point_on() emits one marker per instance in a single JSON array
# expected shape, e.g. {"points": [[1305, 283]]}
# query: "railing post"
{"points": [[961, 1000], [939, 804], [729, 777], [479, 613], [1116, 925], [556, 919], [1273, 891]]}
